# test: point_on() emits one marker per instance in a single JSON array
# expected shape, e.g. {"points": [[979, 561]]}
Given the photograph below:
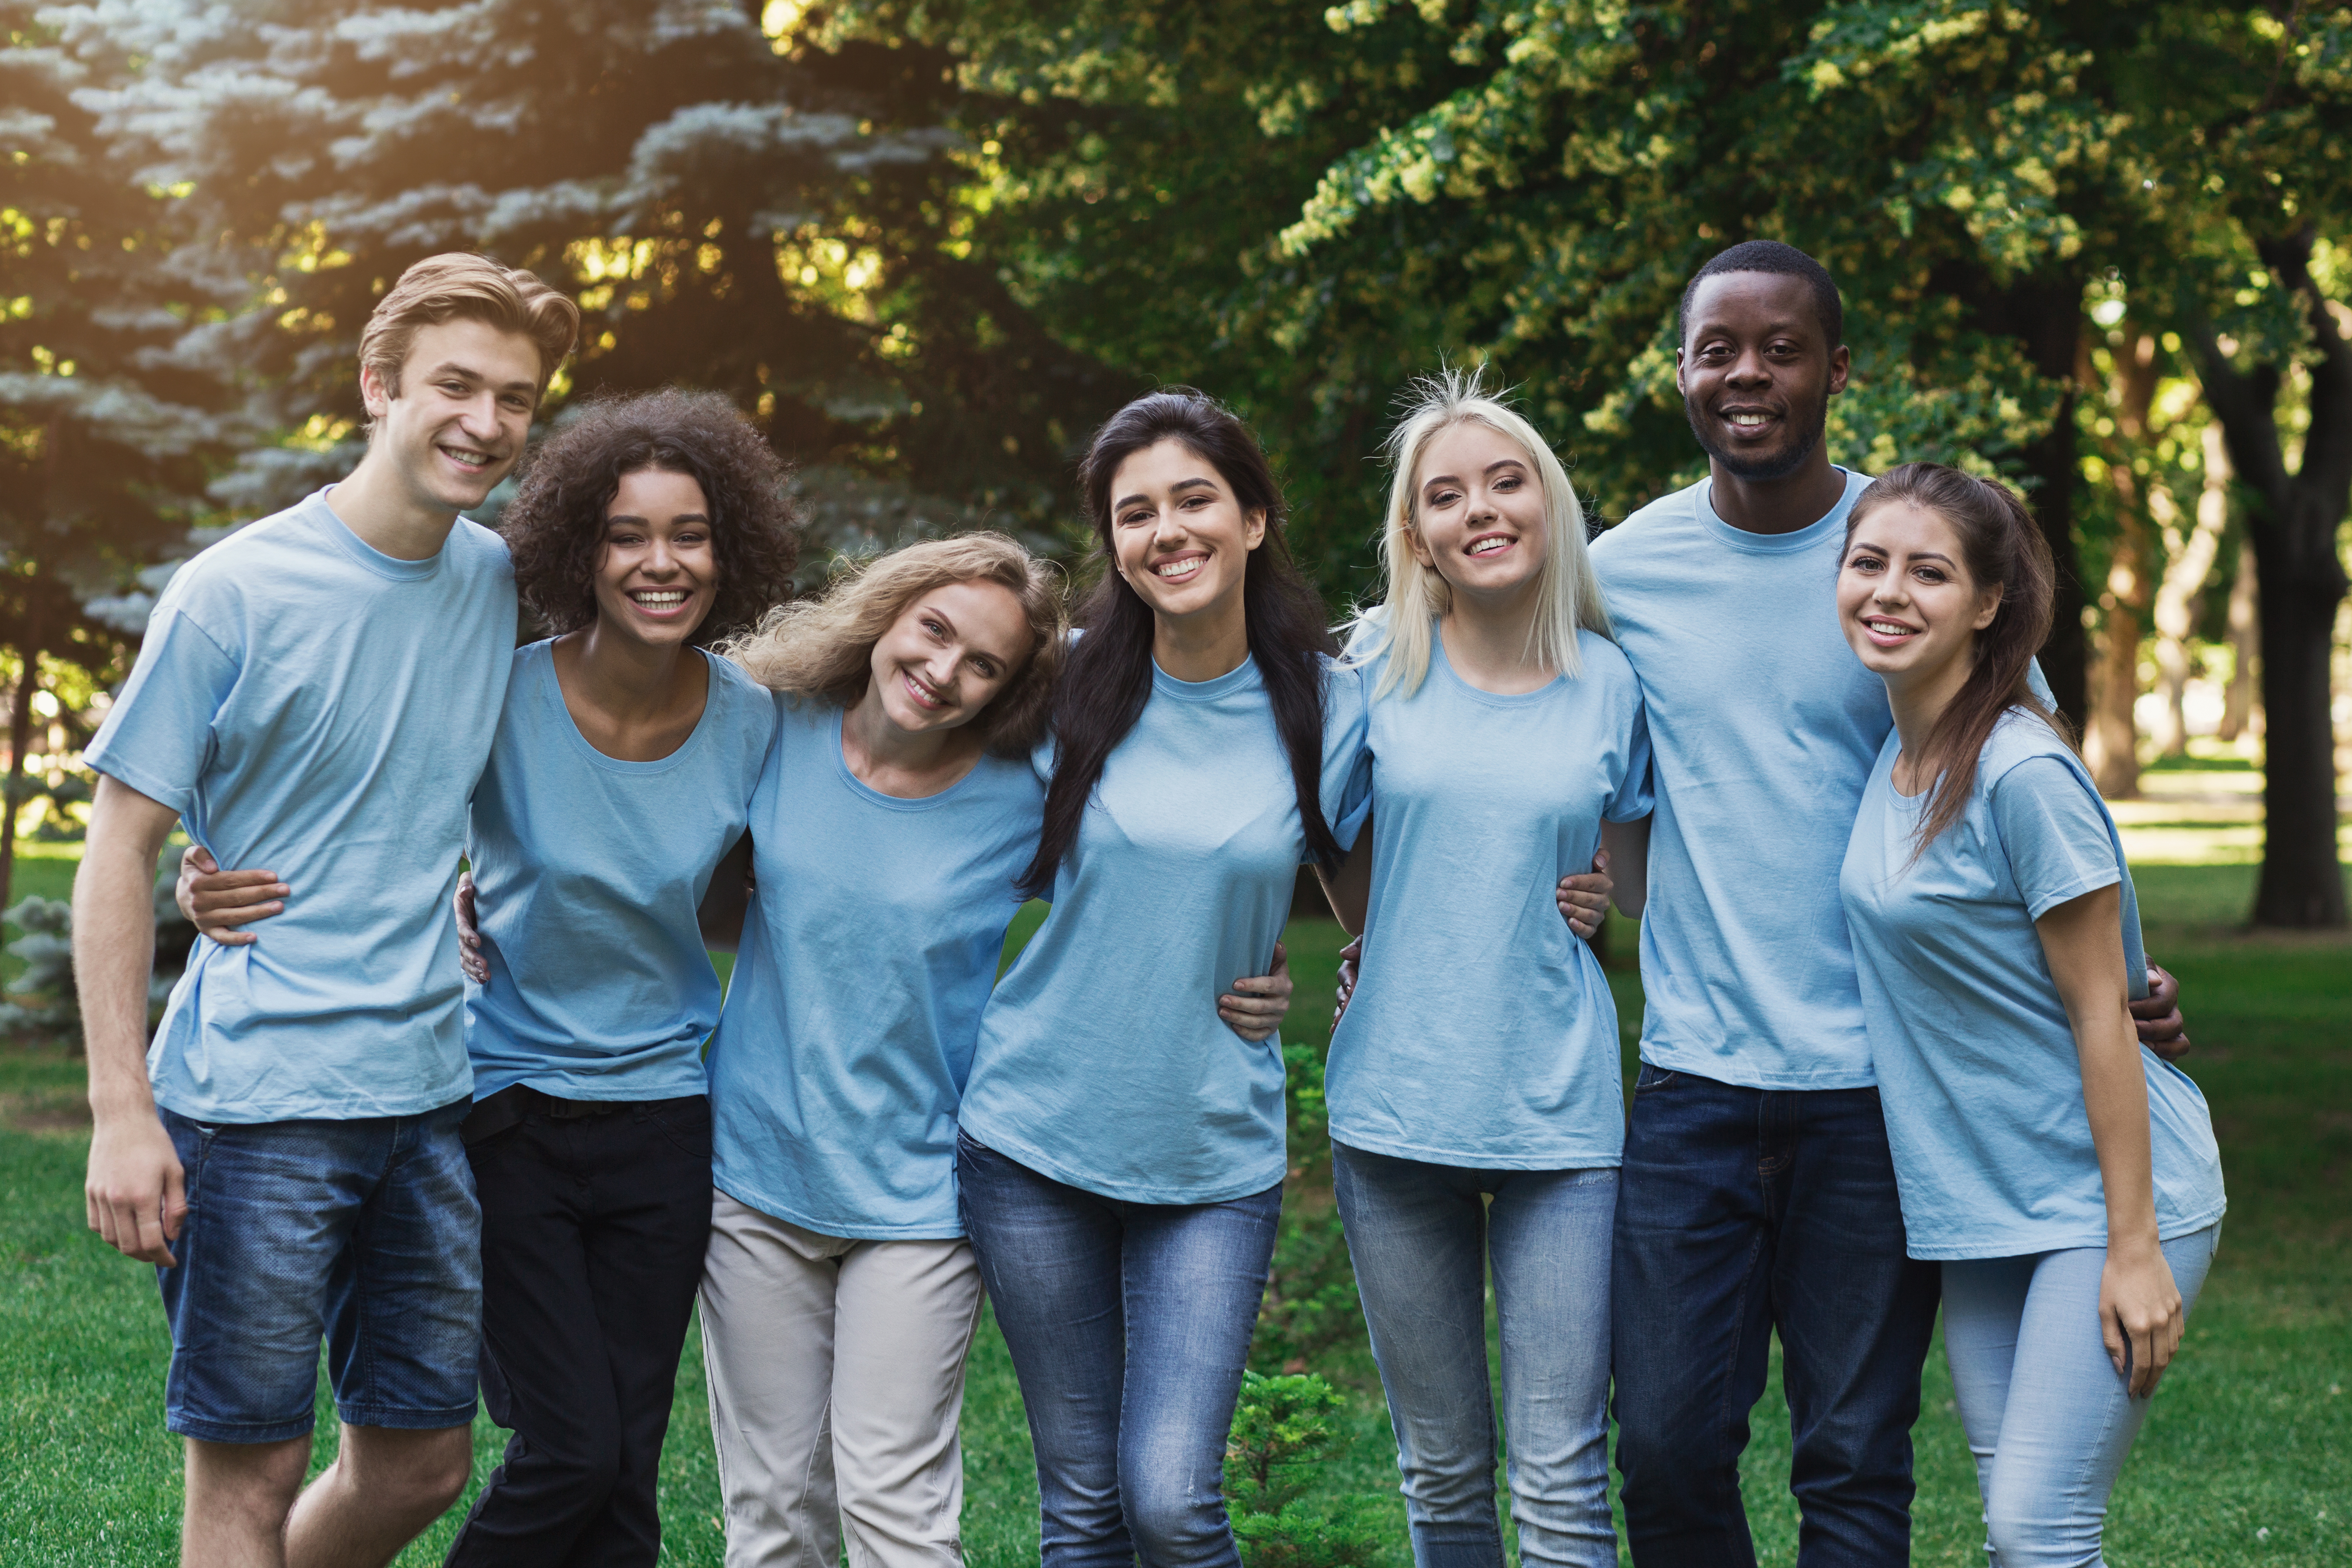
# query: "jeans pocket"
{"points": [[1650, 1079], [685, 1125]]}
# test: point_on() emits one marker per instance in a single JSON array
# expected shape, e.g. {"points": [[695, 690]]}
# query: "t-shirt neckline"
{"points": [[1241, 676], [866, 792], [1832, 521], [368, 556], [1438, 660], [553, 691]]}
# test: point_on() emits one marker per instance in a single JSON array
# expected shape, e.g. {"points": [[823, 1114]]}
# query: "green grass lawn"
{"points": [[2248, 1457]]}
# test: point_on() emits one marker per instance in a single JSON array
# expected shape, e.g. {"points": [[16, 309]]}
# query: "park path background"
{"points": [[2248, 1458]]}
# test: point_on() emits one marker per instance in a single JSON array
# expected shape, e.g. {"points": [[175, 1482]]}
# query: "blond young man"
{"points": [[316, 694]]}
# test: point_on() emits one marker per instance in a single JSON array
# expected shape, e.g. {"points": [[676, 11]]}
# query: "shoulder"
{"points": [[474, 548], [2021, 736], [1604, 661], [1668, 515], [228, 566]]}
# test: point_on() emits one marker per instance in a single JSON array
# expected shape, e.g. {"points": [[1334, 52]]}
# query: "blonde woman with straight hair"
{"points": [[1477, 1113]]}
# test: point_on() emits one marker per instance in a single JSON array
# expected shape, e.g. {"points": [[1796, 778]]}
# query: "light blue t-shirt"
{"points": [[1102, 1061], [1483, 1035], [313, 707], [1977, 1064], [1763, 725], [587, 872], [848, 1033]]}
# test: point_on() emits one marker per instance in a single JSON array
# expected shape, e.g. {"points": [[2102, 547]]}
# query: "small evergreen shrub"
{"points": [[1282, 1435]]}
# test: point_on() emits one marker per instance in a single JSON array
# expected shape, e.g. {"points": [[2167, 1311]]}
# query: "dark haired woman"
{"points": [[1121, 1159], [625, 761], [2066, 1178]]}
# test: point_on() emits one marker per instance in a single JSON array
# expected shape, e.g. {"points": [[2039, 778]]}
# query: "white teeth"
{"points": [[1888, 629], [662, 600], [1749, 421], [1489, 546], [1177, 568]]}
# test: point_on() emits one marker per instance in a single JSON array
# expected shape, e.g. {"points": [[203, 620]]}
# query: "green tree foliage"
{"points": [[1282, 1433], [112, 400]]}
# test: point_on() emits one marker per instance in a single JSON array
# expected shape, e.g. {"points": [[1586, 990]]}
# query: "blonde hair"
{"points": [[821, 648], [1568, 596], [459, 285]]}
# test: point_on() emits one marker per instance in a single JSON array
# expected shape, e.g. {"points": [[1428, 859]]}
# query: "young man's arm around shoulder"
{"points": [[136, 1190]]}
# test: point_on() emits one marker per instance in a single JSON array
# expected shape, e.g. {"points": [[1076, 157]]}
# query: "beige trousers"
{"points": [[837, 1380]]}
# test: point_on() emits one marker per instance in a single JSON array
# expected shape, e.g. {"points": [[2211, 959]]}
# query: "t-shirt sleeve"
{"points": [[2056, 834], [1346, 756], [159, 735], [1636, 795]]}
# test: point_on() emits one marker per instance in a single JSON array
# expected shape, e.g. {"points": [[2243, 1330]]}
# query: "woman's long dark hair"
{"points": [[1999, 545], [1107, 677]]}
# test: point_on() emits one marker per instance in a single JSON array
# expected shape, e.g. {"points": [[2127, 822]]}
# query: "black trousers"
{"points": [[593, 1231]]}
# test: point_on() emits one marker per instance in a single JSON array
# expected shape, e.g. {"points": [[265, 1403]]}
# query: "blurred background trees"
{"points": [[2096, 247]]}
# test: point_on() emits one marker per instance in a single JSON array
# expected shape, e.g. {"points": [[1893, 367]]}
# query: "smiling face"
{"points": [[1756, 372], [1905, 597], [1178, 536], [949, 652], [1478, 512], [657, 572], [467, 391]]}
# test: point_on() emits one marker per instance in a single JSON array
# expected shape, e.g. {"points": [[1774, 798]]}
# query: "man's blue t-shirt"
{"points": [[840, 1060], [1978, 1067], [1763, 725], [587, 874], [1102, 1061], [1482, 1032], [314, 707]]}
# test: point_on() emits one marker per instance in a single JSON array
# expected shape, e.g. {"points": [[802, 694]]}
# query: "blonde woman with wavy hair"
{"points": [[894, 816], [1476, 1115]]}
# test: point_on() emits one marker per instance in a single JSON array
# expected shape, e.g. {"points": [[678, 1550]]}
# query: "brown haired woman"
{"points": [[1121, 1160], [2066, 1179], [621, 773]]}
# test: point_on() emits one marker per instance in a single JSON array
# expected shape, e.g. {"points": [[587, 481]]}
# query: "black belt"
{"points": [[508, 1108]]}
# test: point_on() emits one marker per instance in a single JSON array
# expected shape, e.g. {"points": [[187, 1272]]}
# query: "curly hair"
{"points": [[556, 524], [821, 647]]}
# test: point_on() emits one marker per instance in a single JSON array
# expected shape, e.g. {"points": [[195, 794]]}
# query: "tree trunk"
{"points": [[2293, 526], [2189, 563], [20, 735], [2240, 710], [2111, 734]]}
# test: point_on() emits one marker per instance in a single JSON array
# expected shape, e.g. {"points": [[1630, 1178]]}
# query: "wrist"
{"points": [[2134, 1244]]}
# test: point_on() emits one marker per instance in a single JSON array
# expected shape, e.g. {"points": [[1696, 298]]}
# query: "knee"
{"points": [[1175, 1519], [409, 1475], [2021, 1533], [438, 1476]]}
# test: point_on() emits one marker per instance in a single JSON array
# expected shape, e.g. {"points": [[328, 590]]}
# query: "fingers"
{"points": [[1600, 862], [2143, 1350], [197, 859], [2111, 1329]]}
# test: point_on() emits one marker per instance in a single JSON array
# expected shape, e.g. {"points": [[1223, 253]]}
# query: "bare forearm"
{"points": [[114, 954], [2083, 943], [1627, 844], [1349, 889]]}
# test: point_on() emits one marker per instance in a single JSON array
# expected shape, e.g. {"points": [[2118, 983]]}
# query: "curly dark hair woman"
{"points": [[555, 526]]}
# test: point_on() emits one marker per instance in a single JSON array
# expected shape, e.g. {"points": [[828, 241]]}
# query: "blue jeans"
{"points": [[1740, 1212], [1130, 1328], [365, 1232], [1421, 1236], [2049, 1418]]}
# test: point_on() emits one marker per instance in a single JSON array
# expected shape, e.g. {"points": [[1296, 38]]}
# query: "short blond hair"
{"points": [[459, 285], [1567, 594], [821, 648]]}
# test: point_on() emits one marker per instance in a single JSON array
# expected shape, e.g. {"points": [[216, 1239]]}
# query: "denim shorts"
{"points": [[362, 1232]]}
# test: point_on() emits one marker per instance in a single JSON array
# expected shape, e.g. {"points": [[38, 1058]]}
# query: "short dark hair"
{"points": [[1782, 261], [556, 524]]}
